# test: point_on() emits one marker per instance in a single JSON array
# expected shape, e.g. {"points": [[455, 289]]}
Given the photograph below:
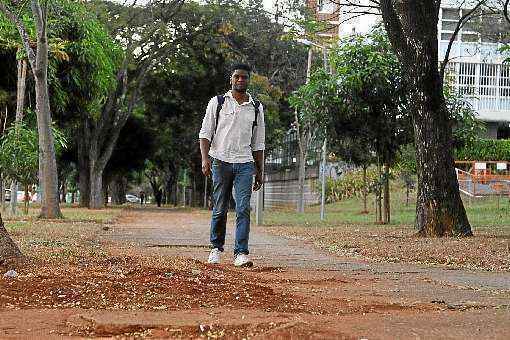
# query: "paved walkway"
{"points": [[187, 233]]}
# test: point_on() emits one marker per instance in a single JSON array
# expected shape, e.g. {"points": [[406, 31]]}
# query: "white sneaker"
{"points": [[214, 256], [242, 260]]}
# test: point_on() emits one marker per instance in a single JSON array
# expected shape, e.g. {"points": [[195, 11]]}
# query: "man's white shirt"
{"points": [[233, 141]]}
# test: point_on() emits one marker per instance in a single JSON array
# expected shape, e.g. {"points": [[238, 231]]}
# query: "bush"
{"points": [[485, 150], [350, 185]]}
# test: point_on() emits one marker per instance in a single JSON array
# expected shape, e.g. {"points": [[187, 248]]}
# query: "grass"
{"points": [[70, 213], [482, 212]]}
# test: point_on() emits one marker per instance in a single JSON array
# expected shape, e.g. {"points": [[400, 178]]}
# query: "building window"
{"points": [[450, 18], [488, 78], [326, 6], [467, 78], [504, 81]]}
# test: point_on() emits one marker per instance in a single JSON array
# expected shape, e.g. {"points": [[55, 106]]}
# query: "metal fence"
{"points": [[479, 179]]}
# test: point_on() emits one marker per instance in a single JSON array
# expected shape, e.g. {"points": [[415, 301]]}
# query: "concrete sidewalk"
{"points": [[186, 234]]}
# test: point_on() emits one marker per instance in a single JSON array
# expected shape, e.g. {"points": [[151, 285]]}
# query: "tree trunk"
{"points": [[106, 191], [118, 187], [379, 194], [8, 249], [83, 163], [2, 193], [96, 189], [386, 197], [50, 207], [365, 190], [301, 180], [13, 204], [20, 106], [63, 190], [412, 29]]}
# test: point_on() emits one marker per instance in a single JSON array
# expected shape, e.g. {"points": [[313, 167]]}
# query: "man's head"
{"points": [[240, 77]]}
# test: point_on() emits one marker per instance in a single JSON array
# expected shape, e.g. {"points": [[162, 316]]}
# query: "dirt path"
{"points": [[294, 291]]}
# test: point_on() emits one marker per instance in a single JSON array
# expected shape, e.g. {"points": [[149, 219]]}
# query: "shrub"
{"points": [[350, 185], [485, 150]]}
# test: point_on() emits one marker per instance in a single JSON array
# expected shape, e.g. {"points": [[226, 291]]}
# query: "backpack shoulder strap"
{"points": [[256, 104], [221, 99]]}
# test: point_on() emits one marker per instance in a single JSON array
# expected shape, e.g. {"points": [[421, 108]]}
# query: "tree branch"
{"points": [[505, 11], [23, 33], [393, 26]]}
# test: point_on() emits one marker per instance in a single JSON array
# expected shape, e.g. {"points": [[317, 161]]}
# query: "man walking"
{"points": [[233, 134]]}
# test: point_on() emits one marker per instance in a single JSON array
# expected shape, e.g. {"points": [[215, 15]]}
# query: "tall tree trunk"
{"points": [[63, 189], [83, 163], [365, 190], [386, 197], [379, 193], [96, 189], [118, 187], [8, 249], [96, 170], [20, 106], [301, 178], [50, 207], [106, 191], [412, 29], [2, 193]]}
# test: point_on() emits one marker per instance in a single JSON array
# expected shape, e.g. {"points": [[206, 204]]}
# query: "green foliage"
{"points": [[270, 97], [316, 100], [93, 58], [351, 184], [485, 150], [19, 154], [466, 127], [362, 103]]}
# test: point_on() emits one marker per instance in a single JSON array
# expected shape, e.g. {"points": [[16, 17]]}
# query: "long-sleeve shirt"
{"points": [[233, 141]]}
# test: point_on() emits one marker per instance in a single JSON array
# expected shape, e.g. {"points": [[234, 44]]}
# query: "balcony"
{"points": [[485, 85]]}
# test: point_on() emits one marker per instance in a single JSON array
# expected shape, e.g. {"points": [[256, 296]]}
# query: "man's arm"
{"points": [[258, 142], [205, 136], [204, 151], [258, 156]]}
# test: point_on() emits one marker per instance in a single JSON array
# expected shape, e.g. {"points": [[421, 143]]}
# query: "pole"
{"points": [[309, 65], [323, 179]]}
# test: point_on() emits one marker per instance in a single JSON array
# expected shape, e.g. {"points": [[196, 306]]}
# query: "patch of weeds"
{"points": [[16, 225], [47, 243], [63, 254]]}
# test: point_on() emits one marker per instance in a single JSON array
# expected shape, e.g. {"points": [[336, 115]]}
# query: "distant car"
{"points": [[132, 198]]}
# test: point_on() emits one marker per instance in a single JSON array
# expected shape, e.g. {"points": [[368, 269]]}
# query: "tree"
{"points": [[8, 249], [19, 157], [364, 101], [412, 29], [38, 60], [312, 103]]}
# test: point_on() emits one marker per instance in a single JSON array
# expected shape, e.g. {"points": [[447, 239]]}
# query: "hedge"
{"points": [[485, 150]]}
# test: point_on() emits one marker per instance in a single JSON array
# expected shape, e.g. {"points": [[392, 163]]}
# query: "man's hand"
{"points": [[206, 166], [258, 180]]}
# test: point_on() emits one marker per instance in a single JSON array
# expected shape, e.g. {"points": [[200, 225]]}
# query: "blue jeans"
{"points": [[240, 176]]}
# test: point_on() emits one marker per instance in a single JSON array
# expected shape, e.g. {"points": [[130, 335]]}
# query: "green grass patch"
{"points": [[482, 212], [70, 213]]}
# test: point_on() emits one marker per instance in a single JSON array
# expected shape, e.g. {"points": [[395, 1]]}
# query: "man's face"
{"points": [[240, 80]]}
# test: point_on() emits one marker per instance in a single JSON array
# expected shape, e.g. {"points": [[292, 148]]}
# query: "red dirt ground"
{"points": [[127, 290]]}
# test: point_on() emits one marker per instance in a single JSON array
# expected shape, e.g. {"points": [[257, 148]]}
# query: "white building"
{"points": [[475, 67]]}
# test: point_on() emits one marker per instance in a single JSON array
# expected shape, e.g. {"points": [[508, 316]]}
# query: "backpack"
{"points": [[221, 100]]}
